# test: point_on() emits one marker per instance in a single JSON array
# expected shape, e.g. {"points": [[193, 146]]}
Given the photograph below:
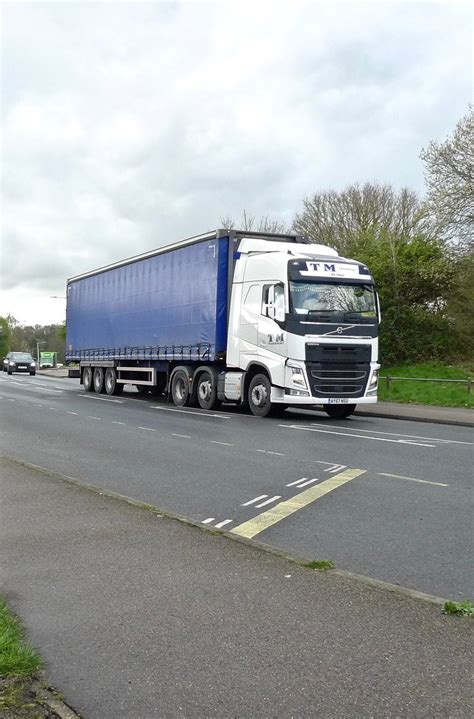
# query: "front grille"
{"points": [[338, 370]]}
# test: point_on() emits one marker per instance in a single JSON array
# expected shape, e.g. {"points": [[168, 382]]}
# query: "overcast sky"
{"points": [[129, 125]]}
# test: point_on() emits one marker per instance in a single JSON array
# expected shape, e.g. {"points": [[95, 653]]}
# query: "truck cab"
{"points": [[308, 320]]}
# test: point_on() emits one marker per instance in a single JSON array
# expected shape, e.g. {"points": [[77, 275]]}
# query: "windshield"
{"points": [[21, 357], [318, 299]]}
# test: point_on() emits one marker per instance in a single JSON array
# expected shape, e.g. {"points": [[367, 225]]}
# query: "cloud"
{"points": [[129, 125]]}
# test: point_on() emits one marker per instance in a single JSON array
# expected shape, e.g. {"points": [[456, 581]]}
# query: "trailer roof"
{"points": [[214, 234]]}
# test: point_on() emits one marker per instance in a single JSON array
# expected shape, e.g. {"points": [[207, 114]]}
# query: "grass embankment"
{"points": [[447, 394], [19, 668]]}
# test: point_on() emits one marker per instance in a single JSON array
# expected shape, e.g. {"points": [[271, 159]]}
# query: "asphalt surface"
{"points": [[140, 616], [406, 517]]}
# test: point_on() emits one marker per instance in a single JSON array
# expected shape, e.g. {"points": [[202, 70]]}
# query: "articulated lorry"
{"points": [[268, 321]]}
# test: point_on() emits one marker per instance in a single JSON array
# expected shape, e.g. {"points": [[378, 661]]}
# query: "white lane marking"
{"points": [[148, 429], [335, 468], [255, 499], [357, 436], [36, 405], [208, 520], [297, 481], [69, 412], [309, 481], [393, 434], [101, 399], [89, 417], [268, 501], [222, 524], [412, 479], [190, 411], [226, 444], [267, 451], [14, 400], [184, 436], [115, 422], [55, 409]]}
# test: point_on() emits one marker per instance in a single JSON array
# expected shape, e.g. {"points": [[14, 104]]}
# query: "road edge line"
{"points": [[254, 543]]}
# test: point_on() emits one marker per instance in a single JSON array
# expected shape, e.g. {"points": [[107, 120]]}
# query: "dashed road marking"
{"points": [[89, 417], [226, 444], [394, 434], [223, 524], [335, 468], [284, 509], [255, 499], [148, 429], [190, 411], [208, 520], [184, 436], [69, 412], [114, 421], [357, 436], [303, 483], [54, 409], [100, 399], [412, 479], [267, 451], [268, 501]]}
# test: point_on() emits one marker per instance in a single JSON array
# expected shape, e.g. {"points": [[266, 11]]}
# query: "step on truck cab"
{"points": [[267, 321]]}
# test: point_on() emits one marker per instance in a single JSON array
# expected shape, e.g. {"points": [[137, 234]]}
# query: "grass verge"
{"points": [[462, 609], [19, 668], [321, 564], [444, 394]]}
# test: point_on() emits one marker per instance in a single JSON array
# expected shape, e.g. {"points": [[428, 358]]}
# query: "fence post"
{"points": [[388, 382], [469, 386]]}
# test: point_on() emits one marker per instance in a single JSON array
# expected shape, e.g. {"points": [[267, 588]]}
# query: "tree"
{"points": [[334, 218], [449, 175], [413, 269], [249, 223], [4, 337]]}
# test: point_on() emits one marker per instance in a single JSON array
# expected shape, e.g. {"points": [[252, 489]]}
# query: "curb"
{"points": [[430, 420], [255, 544]]}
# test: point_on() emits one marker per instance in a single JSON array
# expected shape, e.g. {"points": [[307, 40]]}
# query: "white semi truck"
{"points": [[264, 320]]}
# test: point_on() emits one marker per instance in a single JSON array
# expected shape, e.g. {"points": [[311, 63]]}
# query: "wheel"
{"points": [[110, 382], [98, 379], [207, 391], [259, 393], [9, 370], [87, 379], [339, 411], [143, 389], [32, 374], [180, 388]]}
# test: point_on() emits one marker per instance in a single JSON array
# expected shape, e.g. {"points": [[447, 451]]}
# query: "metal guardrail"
{"points": [[389, 379]]}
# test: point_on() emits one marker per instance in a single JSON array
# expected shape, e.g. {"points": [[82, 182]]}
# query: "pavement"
{"points": [[138, 616]]}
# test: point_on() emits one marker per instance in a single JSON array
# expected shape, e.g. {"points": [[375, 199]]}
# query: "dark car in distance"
{"points": [[19, 362]]}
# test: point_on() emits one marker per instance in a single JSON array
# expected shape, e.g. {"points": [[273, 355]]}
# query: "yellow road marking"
{"points": [[289, 506]]}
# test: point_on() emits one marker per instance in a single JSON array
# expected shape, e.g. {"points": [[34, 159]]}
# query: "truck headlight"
{"points": [[374, 379], [12, 364], [32, 364], [297, 374]]}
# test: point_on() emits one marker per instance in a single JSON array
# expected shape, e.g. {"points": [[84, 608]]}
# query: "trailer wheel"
{"points": [[339, 411], [98, 379], [87, 379], [180, 389], [259, 393], [110, 382], [207, 391]]}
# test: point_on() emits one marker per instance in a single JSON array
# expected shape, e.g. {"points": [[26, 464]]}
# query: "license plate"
{"points": [[338, 401]]}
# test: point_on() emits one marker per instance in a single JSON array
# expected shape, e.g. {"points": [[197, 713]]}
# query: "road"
{"points": [[384, 498]]}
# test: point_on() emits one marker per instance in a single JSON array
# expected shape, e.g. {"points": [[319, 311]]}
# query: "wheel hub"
{"points": [[259, 395]]}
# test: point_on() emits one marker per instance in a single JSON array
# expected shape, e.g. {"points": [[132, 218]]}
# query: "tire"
{"points": [[87, 382], [32, 374], [110, 382], [98, 379], [10, 371], [180, 389], [258, 394], [206, 391], [339, 411]]}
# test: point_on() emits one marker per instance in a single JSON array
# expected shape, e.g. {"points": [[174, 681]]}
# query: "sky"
{"points": [[130, 125]]}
